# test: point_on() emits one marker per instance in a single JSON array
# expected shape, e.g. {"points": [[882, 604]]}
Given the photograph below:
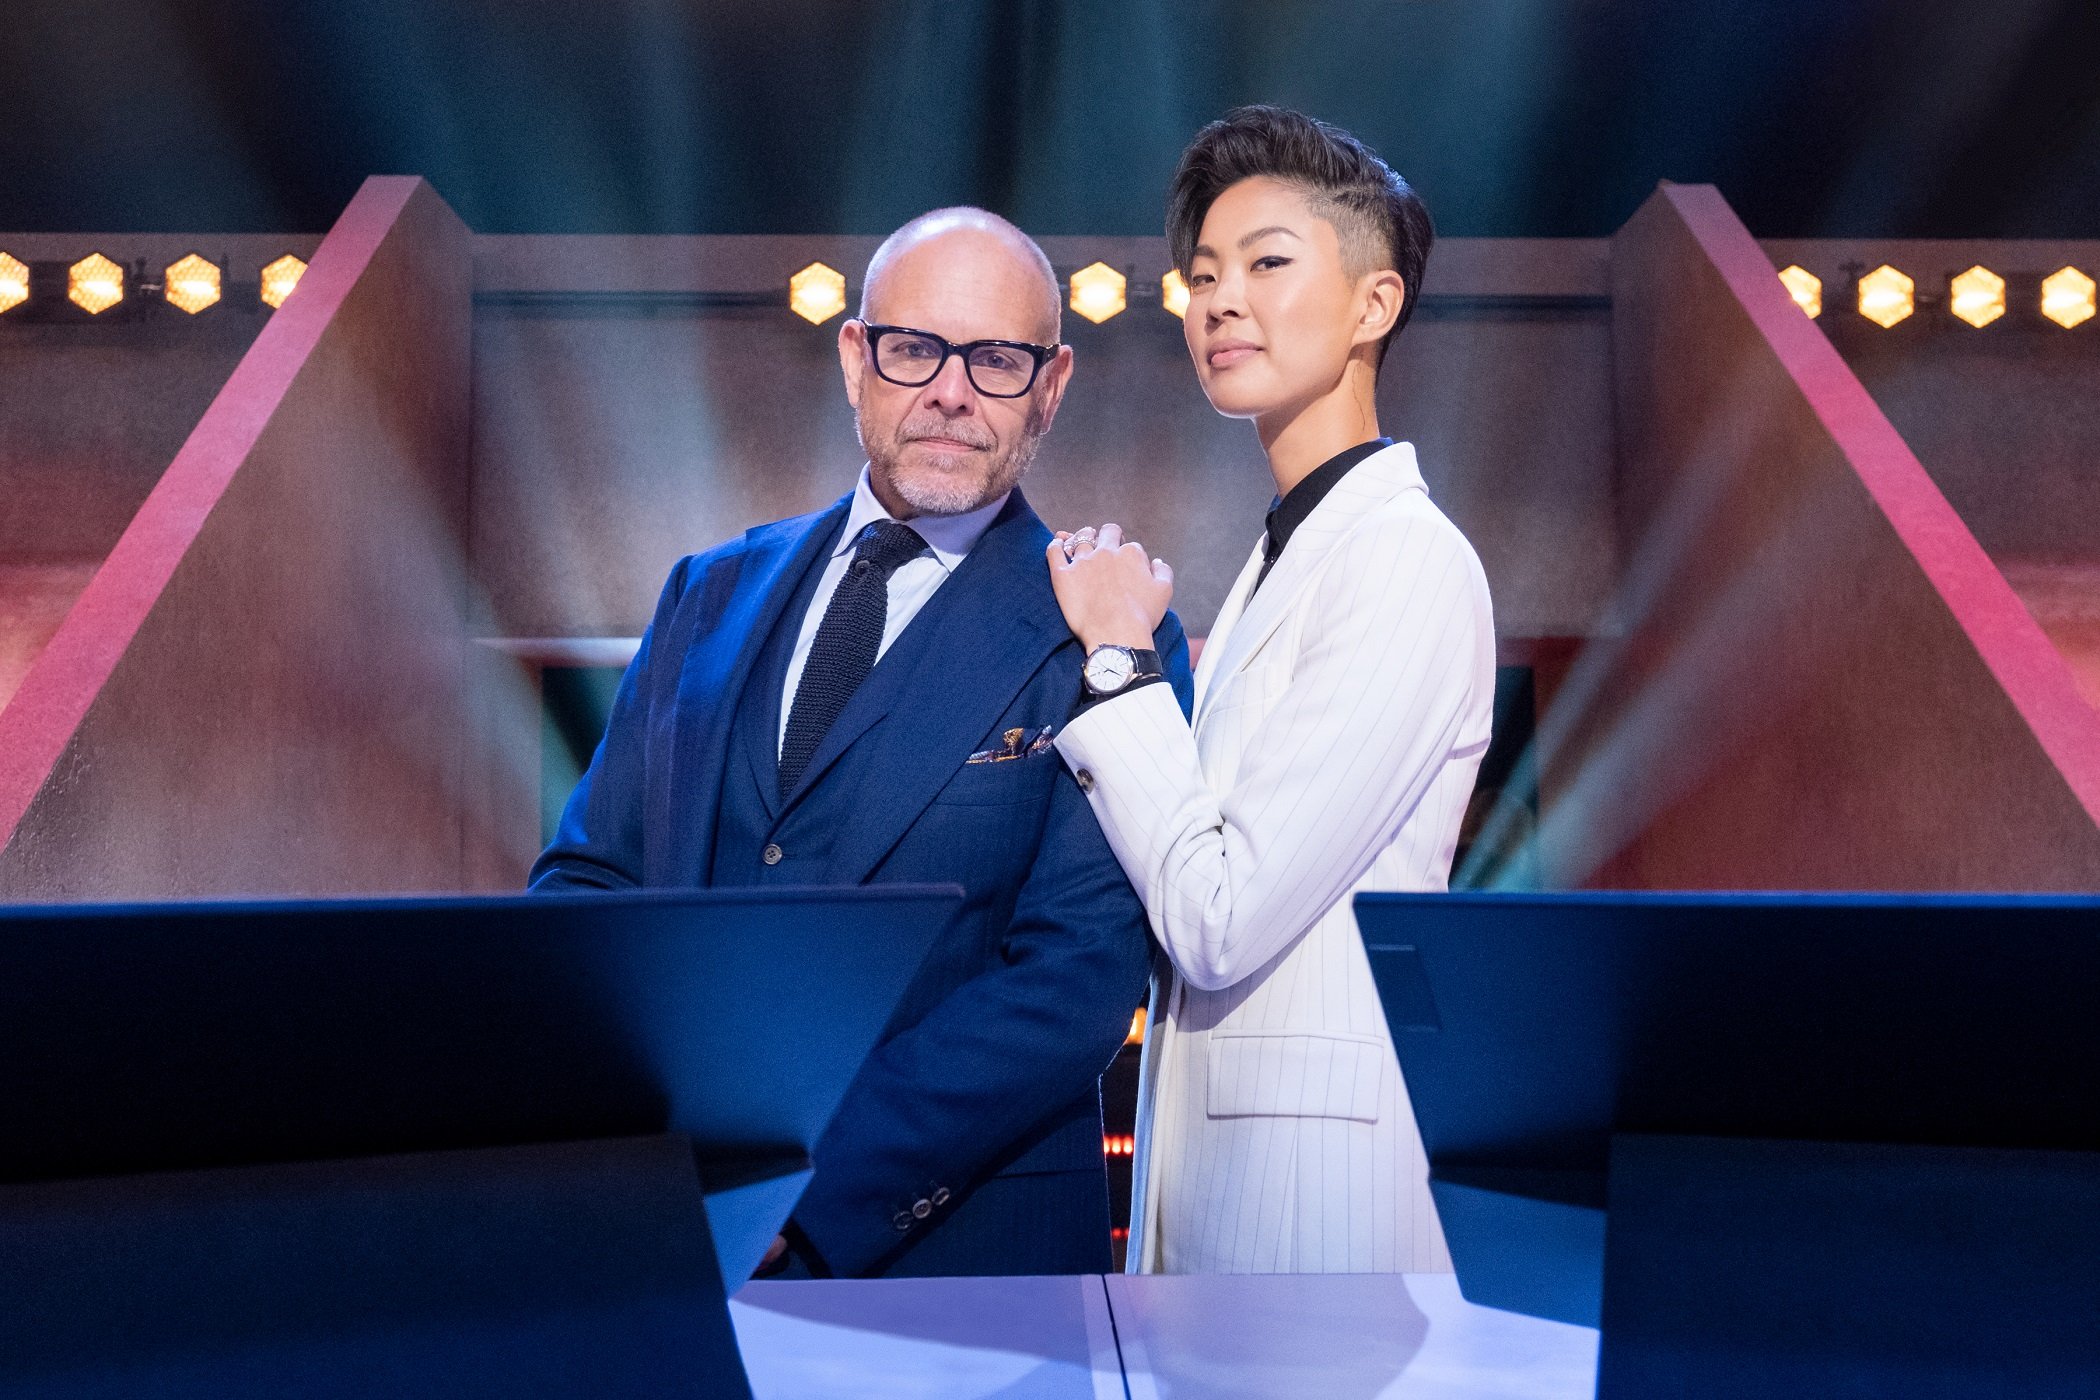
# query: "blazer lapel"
{"points": [[761, 746], [988, 630], [1373, 482], [1220, 639], [719, 664]]}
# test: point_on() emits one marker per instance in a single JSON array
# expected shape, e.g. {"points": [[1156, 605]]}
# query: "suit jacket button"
{"points": [[772, 854], [902, 1220], [1085, 780], [921, 1208], [940, 1196]]}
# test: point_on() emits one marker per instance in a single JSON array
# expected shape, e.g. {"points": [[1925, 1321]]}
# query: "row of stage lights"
{"points": [[1887, 297], [818, 292], [191, 283]]}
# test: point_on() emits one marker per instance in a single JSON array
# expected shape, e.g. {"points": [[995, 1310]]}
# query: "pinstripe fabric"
{"points": [[1340, 718]]}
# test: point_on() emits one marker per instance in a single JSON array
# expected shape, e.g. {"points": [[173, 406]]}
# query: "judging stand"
{"points": [[1775, 1144], [486, 1147]]}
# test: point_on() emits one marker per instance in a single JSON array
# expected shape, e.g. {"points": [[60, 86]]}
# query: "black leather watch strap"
{"points": [[1088, 700]]}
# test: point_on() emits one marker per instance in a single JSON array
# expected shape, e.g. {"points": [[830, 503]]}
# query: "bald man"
{"points": [[870, 694]]}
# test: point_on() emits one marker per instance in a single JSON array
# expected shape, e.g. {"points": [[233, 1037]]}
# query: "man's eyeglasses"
{"points": [[1000, 369]]}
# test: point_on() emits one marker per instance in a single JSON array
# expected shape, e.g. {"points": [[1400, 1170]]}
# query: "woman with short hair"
{"points": [[1343, 705]]}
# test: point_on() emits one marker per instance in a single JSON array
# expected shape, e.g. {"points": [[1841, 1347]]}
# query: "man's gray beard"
{"points": [[951, 496]]}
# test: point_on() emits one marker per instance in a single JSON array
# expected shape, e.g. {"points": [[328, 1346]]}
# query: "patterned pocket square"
{"points": [[1014, 743]]}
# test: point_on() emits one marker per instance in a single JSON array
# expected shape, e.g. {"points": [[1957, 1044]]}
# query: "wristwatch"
{"points": [[1111, 670]]}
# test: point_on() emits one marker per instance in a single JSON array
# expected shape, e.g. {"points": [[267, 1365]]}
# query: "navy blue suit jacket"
{"points": [[982, 1099]]}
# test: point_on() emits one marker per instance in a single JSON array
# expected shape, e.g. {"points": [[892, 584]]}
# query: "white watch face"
{"points": [[1109, 668]]}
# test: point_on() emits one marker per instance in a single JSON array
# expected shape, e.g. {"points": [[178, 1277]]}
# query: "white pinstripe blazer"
{"points": [[1340, 717]]}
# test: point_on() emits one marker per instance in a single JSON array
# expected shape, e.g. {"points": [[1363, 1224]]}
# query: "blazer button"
{"points": [[902, 1220], [1085, 780], [772, 854], [921, 1208], [940, 1196]]}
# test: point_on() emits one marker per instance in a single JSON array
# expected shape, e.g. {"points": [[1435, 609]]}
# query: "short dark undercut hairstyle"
{"points": [[1380, 220]]}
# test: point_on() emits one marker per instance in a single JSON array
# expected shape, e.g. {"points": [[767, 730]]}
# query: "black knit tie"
{"points": [[846, 642]]}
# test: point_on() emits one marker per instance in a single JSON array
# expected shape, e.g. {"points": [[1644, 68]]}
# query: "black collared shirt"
{"points": [[1287, 514]]}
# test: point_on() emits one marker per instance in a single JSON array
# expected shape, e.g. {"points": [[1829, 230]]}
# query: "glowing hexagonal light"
{"points": [[1977, 296], [14, 281], [280, 279], [1886, 296], [1097, 292], [817, 293], [94, 284], [1174, 293], [193, 284], [1804, 287], [2067, 297]]}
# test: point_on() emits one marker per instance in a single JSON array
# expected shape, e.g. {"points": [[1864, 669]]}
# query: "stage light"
{"points": [[1804, 287], [193, 284], [94, 284], [1097, 292], [280, 279], [2067, 297], [14, 281], [1886, 296], [1174, 293], [817, 293], [1137, 1028], [1977, 296]]}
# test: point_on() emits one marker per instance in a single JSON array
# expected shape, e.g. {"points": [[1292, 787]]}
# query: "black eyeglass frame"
{"points": [[1039, 355]]}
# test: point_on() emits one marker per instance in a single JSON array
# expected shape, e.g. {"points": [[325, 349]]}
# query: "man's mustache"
{"points": [[954, 432]]}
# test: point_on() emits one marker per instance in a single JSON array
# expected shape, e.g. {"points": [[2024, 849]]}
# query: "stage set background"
{"points": [[361, 634]]}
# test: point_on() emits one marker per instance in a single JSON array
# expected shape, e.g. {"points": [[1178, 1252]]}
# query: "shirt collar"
{"points": [[951, 537], [1288, 513]]}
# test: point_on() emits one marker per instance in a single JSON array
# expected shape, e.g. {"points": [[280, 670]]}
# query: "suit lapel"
{"points": [[1220, 639], [1370, 484], [981, 638], [719, 664], [760, 749], [761, 745]]}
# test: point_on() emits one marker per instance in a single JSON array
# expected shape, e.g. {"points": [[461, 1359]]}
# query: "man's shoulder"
{"points": [[1012, 553], [720, 567]]}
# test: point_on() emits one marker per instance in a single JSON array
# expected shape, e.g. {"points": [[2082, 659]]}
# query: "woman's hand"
{"points": [[1112, 593]]}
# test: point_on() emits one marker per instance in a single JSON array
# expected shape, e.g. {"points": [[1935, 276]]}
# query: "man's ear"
{"points": [[853, 356], [1380, 296], [1057, 373]]}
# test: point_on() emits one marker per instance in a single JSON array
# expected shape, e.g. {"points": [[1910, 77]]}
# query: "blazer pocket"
{"points": [[1295, 1074], [1023, 779]]}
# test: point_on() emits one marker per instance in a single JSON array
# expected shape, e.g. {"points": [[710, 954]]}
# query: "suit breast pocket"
{"points": [[997, 784], [1295, 1074]]}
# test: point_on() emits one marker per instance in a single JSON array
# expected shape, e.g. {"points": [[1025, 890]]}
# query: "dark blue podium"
{"points": [[1775, 1145], [475, 1147]]}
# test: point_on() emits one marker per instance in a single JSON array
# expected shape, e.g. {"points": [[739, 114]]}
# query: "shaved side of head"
{"points": [[968, 220]]}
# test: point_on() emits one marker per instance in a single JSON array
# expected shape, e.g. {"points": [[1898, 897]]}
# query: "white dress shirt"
{"points": [[949, 538]]}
